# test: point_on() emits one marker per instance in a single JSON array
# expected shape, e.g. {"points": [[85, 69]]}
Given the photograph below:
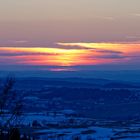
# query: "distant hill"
{"points": [[37, 83], [120, 85]]}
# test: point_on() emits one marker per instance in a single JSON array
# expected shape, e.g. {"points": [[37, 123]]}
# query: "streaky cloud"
{"points": [[70, 55]]}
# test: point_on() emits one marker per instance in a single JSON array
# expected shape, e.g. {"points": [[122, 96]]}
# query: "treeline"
{"points": [[108, 95]]}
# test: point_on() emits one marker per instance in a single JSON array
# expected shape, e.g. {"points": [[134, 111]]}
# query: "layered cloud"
{"points": [[72, 54]]}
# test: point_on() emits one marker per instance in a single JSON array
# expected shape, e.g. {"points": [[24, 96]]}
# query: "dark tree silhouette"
{"points": [[14, 134], [10, 110]]}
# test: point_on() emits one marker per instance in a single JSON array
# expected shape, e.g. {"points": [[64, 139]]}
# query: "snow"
{"points": [[68, 111], [95, 132], [28, 119], [101, 133]]}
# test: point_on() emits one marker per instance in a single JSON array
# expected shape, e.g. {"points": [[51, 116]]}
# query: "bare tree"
{"points": [[10, 106]]}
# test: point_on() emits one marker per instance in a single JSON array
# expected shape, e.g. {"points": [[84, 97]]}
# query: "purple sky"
{"points": [[93, 33]]}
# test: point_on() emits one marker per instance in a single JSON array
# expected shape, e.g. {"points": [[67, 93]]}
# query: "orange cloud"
{"points": [[88, 54], [124, 48]]}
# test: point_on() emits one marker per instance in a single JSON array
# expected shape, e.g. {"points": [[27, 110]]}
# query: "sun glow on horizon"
{"points": [[70, 54]]}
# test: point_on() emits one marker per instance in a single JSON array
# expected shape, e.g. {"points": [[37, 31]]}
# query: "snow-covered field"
{"points": [[82, 133], [50, 127], [67, 130]]}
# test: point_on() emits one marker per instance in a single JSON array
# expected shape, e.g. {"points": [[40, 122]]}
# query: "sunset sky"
{"points": [[69, 35]]}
